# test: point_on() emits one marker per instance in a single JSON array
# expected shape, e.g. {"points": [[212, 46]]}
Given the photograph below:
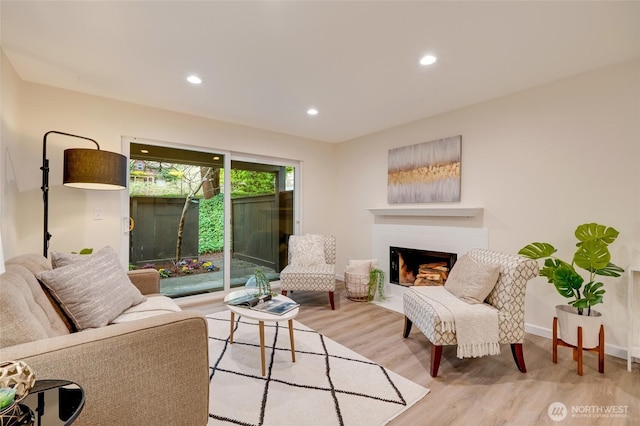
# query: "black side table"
{"points": [[54, 402]]}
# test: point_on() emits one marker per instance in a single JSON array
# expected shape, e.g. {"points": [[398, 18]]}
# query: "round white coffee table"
{"points": [[262, 317]]}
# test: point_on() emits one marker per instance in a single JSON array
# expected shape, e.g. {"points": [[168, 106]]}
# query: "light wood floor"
{"points": [[482, 391]]}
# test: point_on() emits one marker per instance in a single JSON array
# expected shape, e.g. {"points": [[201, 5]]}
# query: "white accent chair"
{"points": [[507, 297], [312, 265]]}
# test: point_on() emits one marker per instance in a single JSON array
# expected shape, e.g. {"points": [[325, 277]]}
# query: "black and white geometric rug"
{"points": [[327, 385]]}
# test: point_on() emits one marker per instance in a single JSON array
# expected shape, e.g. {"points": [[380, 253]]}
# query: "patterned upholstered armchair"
{"points": [[312, 265], [506, 298]]}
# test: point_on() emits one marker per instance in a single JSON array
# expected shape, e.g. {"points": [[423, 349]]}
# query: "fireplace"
{"points": [[409, 266], [448, 239]]}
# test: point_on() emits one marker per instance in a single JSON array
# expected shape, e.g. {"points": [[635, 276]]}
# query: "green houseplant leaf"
{"points": [[86, 250], [610, 270], [7, 395], [537, 250], [592, 255], [551, 265], [376, 284], [567, 281], [594, 292], [592, 296], [594, 231]]}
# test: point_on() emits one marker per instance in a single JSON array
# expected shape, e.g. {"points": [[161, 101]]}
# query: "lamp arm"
{"points": [[45, 184]]}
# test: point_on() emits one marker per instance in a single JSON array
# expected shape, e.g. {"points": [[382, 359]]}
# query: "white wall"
{"points": [[540, 162], [43, 108], [9, 136]]}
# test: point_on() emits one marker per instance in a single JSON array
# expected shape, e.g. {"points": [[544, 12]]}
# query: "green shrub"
{"points": [[211, 224]]}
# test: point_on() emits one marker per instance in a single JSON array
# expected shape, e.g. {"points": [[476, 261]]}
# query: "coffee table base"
{"points": [[261, 328]]}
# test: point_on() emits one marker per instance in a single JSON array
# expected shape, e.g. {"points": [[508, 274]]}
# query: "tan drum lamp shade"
{"points": [[94, 169], [85, 169]]}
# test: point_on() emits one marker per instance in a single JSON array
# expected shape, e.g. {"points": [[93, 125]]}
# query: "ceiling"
{"points": [[264, 63]]}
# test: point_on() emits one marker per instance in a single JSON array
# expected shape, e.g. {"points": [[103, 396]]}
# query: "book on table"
{"points": [[275, 306], [248, 300]]}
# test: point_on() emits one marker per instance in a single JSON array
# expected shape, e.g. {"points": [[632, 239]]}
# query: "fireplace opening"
{"points": [[410, 266]]}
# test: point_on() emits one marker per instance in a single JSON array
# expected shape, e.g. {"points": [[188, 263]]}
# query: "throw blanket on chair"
{"points": [[475, 326]]}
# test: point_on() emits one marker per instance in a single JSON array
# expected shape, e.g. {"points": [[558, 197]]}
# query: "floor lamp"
{"points": [[83, 168]]}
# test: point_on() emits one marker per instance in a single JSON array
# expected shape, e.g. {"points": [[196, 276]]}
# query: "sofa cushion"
{"points": [[26, 314], [36, 263], [472, 281], [94, 290], [154, 305]]}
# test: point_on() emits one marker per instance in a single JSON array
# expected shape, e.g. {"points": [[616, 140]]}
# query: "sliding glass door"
{"points": [[262, 217], [176, 209], [207, 220]]}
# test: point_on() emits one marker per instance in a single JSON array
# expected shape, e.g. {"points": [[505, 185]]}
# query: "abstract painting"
{"points": [[428, 172]]}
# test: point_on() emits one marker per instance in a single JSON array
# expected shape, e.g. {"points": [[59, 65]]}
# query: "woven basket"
{"points": [[357, 286]]}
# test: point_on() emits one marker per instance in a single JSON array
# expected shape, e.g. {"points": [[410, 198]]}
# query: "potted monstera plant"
{"points": [[593, 259]]}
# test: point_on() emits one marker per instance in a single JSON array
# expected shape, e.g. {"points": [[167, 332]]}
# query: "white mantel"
{"points": [[427, 211]]}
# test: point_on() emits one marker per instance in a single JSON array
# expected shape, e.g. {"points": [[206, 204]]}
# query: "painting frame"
{"points": [[428, 172]]}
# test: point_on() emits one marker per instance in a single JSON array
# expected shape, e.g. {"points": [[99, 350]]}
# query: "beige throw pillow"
{"points": [[59, 259], [361, 267], [306, 250], [94, 290], [472, 281]]}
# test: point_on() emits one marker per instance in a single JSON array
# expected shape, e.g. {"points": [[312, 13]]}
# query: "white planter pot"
{"points": [[569, 321]]}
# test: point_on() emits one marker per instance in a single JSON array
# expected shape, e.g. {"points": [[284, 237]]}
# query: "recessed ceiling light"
{"points": [[428, 60], [144, 151], [312, 111], [194, 79]]}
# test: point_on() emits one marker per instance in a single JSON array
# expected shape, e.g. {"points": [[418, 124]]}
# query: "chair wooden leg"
{"points": [[436, 354], [436, 350], [518, 356], [333, 307], [407, 327]]}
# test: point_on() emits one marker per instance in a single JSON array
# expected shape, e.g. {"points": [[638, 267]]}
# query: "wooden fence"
{"points": [[260, 227]]}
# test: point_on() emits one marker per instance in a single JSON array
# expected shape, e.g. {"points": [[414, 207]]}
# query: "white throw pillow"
{"points": [[472, 281], [93, 290], [361, 267], [306, 250]]}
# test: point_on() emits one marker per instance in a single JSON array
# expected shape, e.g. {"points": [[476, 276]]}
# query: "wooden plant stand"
{"points": [[577, 350]]}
